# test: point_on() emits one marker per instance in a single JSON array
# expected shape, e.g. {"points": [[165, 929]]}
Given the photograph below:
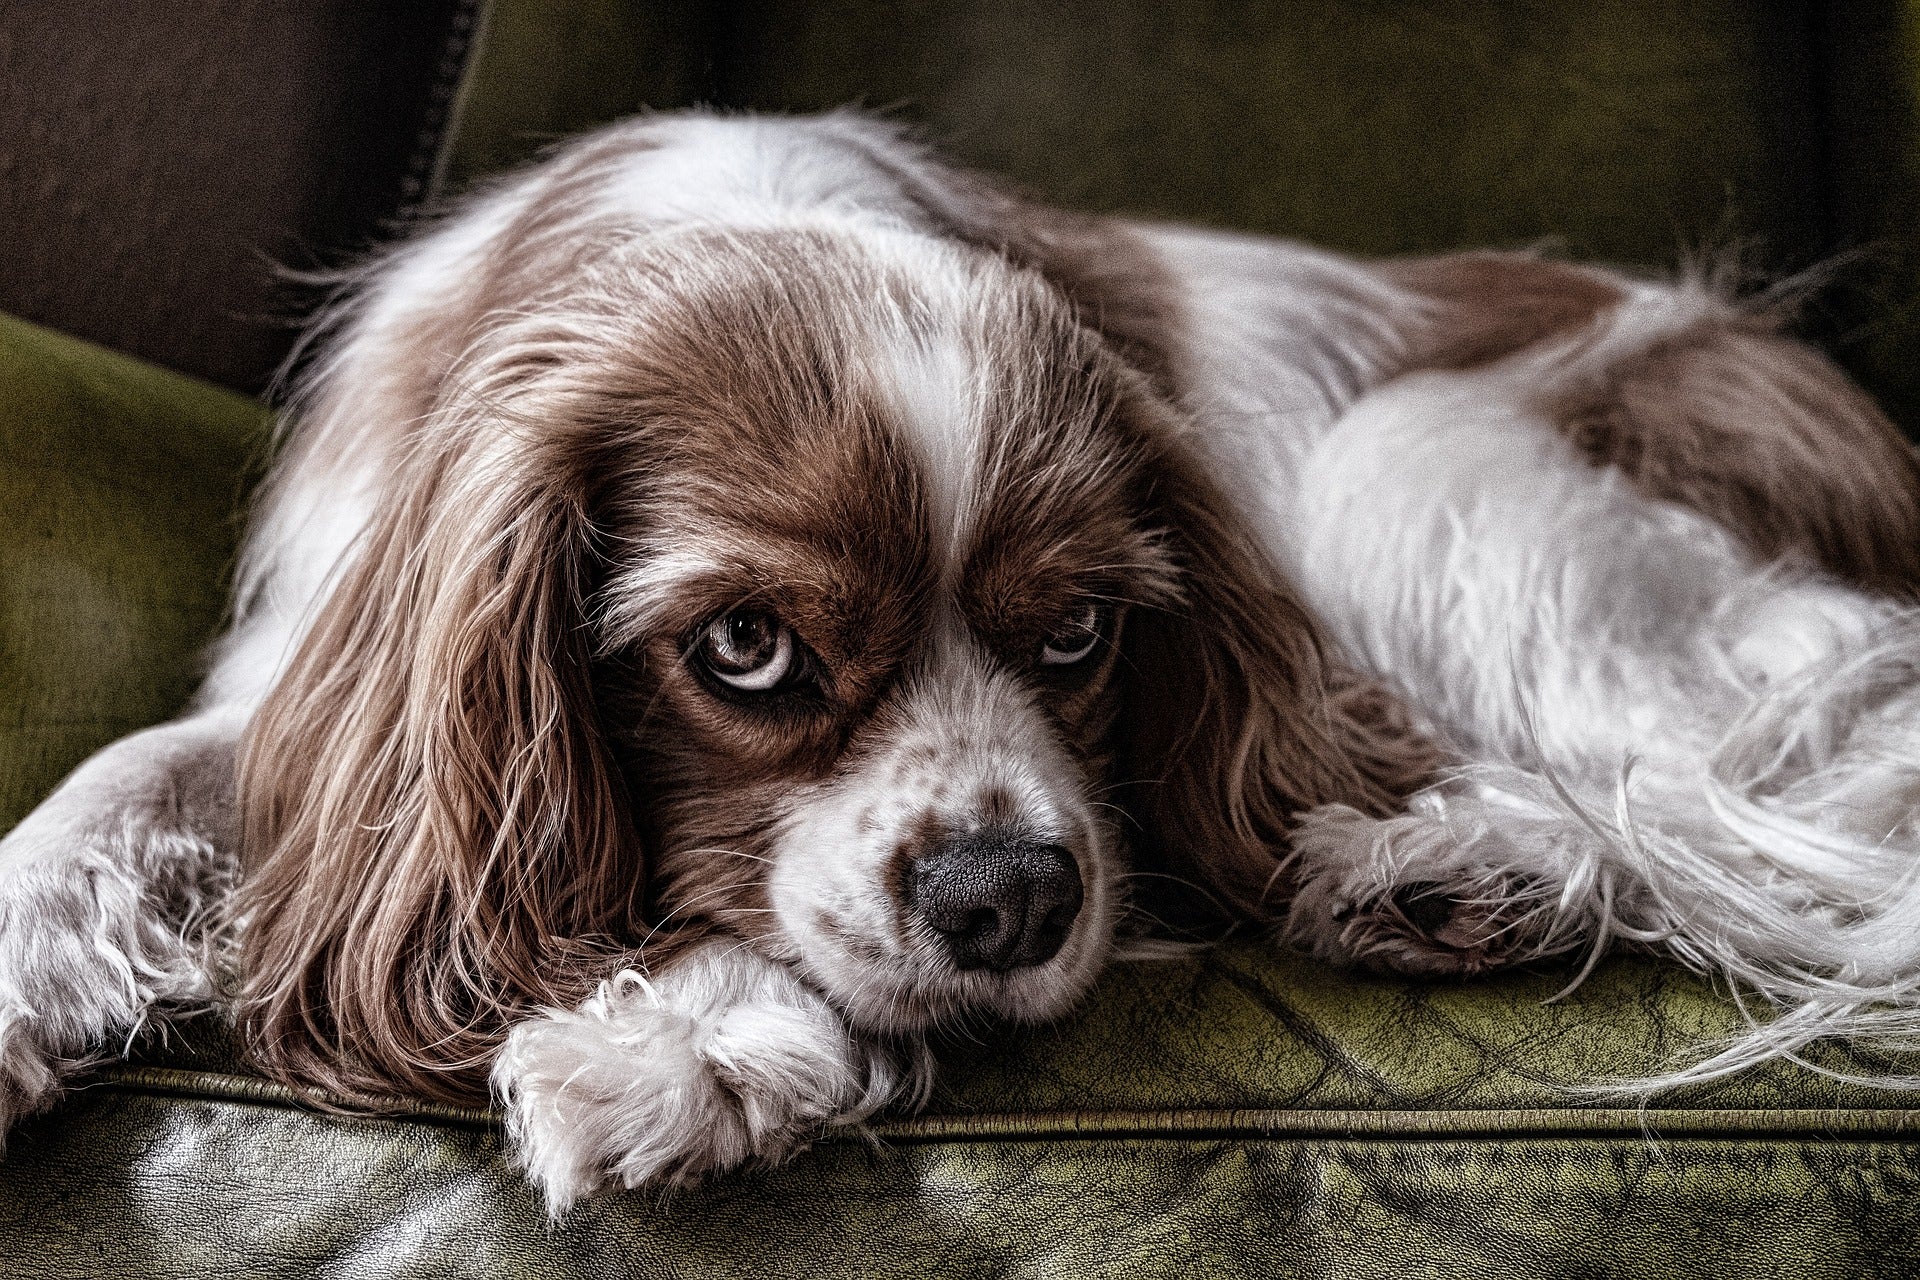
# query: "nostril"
{"points": [[980, 925], [1054, 927]]}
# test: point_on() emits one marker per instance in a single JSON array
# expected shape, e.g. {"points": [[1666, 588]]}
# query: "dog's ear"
{"points": [[1234, 717], [433, 820]]}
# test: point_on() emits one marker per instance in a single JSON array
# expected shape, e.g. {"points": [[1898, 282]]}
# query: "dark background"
{"points": [[159, 161]]}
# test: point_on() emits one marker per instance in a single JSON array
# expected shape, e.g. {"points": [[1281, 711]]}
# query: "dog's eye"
{"points": [[747, 649], [1077, 637]]}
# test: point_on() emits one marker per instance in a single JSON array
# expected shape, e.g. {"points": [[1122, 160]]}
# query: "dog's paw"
{"points": [[725, 1060], [30, 1074], [1421, 929], [91, 938], [1368, 893]]}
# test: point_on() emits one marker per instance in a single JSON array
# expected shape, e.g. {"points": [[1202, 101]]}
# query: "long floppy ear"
{"points": [[432, 819], [1235, 719]]}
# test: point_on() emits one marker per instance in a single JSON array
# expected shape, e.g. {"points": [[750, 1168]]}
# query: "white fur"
{"points": [[724, 1059], [936, 384], [964, 731], [106, 894], [1670, 741]]}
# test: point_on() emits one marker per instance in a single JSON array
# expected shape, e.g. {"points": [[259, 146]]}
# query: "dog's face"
{"points": [[863, 612], [831, 587]]}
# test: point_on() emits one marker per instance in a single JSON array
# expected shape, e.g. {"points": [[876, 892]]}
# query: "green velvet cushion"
{"points": [[120, 493]]}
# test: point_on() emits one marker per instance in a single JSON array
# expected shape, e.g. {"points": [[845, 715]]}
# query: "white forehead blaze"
{"points": [[932, 383]]}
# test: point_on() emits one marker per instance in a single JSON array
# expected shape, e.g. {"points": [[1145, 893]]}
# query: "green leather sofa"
{"points": [[1235, 1112]]}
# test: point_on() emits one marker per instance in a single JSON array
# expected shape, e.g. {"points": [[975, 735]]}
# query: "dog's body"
{"points": [[717, 580]]}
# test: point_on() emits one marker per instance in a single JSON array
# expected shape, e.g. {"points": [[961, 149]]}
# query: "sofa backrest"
{"points": [[1627, 131], [163, 157], [159, 161]]}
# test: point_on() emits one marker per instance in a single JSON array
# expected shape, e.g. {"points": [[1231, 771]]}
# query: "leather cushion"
{"points": [[1238, 1112], [141, 1185]]}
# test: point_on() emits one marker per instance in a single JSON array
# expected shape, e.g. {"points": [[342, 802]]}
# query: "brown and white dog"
{"points": [[742, 593]]}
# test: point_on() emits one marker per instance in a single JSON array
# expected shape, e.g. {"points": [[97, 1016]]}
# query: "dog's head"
{"points": [[836, 587]]}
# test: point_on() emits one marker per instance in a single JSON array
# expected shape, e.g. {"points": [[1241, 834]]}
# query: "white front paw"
{"points": [[86, 949], [724, 1060]]}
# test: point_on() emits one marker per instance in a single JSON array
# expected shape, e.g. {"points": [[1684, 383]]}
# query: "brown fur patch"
{"points": [[1733, 419], [1485, 305], [1770, 439], [436, 826]]}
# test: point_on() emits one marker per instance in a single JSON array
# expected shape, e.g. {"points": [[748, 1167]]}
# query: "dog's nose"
{"points": [[997, 899]]}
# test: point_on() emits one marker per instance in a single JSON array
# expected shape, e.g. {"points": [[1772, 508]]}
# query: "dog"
{"points": [[744, 592]]}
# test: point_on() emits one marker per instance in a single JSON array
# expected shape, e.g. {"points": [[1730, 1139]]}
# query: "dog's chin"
{"points": [[893, 997]]}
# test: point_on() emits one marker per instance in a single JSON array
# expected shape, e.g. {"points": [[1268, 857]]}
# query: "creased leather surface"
{"points": [[1245, 1026], [1239, 1112], [132, 1185]]}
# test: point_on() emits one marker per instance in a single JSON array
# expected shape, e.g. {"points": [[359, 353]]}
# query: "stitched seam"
{"points": [[1176, 1124], [446, 99], [1399, 1126]]}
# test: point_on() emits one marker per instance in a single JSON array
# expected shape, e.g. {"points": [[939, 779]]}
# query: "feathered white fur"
{"points": [[1669, 742], [106, 894], [725, 1059]]}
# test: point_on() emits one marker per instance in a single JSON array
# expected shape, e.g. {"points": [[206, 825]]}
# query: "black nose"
{"points": [[997, 899]]}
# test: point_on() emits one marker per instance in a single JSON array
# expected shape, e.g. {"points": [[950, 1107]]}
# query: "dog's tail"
{"points": [[1692, 683], [1788, 864], [1774, 839]]}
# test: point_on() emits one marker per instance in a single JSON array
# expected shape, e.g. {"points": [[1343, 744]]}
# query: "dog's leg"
{"points": [[1665, 738], [724, 1059], [104, 892]]}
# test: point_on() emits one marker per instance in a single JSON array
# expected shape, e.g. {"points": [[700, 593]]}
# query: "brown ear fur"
{"points": [[433, 821], [1235, 719]]}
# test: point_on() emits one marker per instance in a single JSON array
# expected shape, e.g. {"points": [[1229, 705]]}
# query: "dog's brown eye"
{"points": [[1077, 637], [747, 649]]}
